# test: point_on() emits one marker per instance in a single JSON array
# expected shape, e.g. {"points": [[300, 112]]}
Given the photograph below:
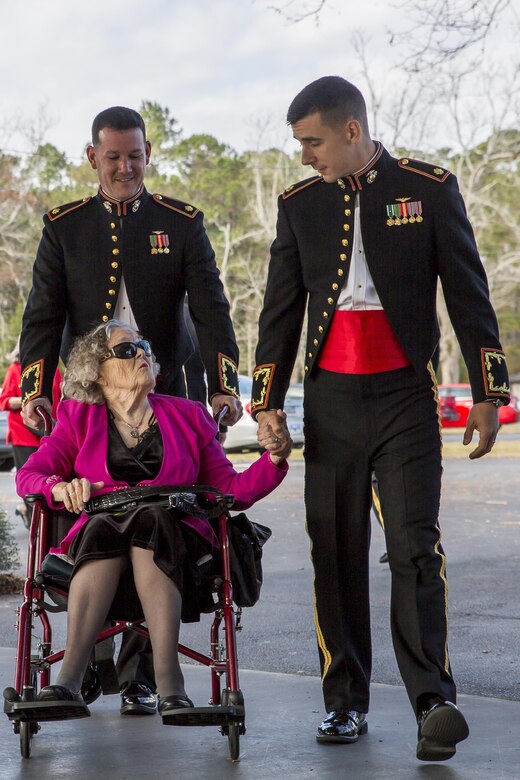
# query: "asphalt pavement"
{"points": [[279, 671]]}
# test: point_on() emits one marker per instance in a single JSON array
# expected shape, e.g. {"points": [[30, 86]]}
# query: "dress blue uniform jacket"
{"points": [[161, 247], [415, 232]]}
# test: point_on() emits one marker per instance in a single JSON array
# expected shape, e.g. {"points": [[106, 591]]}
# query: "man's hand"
{"points": [[233, 404], [73, 494], [483, 417], [30, 418], [273, 434]]}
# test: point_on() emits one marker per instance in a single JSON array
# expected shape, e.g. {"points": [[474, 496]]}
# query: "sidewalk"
{"points": [[282, 714]]}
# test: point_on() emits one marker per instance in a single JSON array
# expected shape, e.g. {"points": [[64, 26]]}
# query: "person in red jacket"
{"points": [[23, 440]]}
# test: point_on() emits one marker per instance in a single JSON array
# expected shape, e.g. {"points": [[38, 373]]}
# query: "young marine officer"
{"points": [[362, 245], [127, 254]]}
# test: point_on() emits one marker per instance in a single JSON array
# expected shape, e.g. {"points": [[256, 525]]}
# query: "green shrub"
{"points": [[9, 554]]}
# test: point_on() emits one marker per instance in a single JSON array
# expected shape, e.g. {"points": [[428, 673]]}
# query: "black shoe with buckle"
{"points": [[137, 699], [91, 688], [441, 726], [342, 726]]}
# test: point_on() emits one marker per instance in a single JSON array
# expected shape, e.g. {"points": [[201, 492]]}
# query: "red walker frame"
{"points": [[226, 707]]}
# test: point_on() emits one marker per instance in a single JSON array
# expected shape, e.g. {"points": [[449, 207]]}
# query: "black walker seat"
{"points": [[47, 578]]}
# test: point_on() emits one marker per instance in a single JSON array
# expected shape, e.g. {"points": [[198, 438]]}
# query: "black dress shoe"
{"points": [[169, 703], [342, 726], [55, 702], [137, 699], [441, 726], [58, 693], [91, 687]]}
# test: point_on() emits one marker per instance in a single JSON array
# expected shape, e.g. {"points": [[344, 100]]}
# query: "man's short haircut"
{"points": [[334, 98], [117, 118]]}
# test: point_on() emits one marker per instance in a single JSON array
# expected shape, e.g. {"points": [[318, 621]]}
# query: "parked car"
{"points": [[448, 409], [242, 436], [463, 401], [6, 452]]}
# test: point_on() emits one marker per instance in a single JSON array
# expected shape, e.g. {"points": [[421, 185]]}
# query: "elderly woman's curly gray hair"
{"points": [[85, 357]]}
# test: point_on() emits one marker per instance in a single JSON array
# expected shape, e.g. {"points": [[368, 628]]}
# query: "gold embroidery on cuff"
{"points": [[228, 374], [262, 380], [32, 381], [493, 363]]}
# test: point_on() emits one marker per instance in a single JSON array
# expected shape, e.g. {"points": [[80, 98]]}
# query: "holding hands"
{"points": [[273, 434]]}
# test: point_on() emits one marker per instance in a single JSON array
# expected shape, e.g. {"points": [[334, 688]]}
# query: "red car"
{"points": [[456, 401]]}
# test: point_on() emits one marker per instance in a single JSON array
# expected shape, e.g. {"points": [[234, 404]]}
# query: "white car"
{"points": [[242, 436]]}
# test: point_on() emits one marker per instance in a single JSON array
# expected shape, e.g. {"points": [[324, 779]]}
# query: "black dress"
{"points": [[176, 547]]}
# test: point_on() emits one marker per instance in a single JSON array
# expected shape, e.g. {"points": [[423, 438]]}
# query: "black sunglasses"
{"points": [[126, 350]]}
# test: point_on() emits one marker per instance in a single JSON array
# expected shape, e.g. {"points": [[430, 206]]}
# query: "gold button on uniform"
{"points": [[114, 239], [115, 251], [114, 264], [346, 198], [315, 342], [344, 241], [320, 328], [330, 300], [111, 292], [306, 369], [113, 279], [340, 271], [108, 305], [346, 227], [335, 285], [310, 354], [104, 318], [325, 314], [112, 225], [343, 257], [347, 212]]}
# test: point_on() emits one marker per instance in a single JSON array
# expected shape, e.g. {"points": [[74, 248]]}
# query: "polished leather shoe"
{"points": [[58, 693], [137, 699], [170, 703], [441, 726], [342, 726], [91, 688]]}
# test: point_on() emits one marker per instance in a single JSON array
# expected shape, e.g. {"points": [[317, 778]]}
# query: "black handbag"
{"points": [[246, 540]]}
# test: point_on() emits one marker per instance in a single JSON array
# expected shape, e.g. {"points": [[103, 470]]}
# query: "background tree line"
{"points": [[238, 192]]}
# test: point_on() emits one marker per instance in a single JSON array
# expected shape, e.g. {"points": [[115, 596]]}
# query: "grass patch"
{"points": [[506, 446]]}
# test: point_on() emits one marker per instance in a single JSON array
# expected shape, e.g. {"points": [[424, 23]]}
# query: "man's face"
{"points": [[120, 159], [332, 152]]}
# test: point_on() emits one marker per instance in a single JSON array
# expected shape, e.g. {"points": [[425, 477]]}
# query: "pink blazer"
{"points": [[78, 447]]}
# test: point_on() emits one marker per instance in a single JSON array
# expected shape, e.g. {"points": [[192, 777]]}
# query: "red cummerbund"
{"points": [[361, 342]]}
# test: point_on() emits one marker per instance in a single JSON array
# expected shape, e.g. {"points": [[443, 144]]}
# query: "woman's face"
{"points": [[131, 374]]}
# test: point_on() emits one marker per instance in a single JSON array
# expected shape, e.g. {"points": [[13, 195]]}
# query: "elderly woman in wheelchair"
{"points": [[112, 433]]}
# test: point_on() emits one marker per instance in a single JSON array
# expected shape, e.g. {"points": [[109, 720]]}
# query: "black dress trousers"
{"points": [[387, 423]]}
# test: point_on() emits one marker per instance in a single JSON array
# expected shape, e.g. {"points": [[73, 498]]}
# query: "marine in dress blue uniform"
{"points": [[361, 254]]}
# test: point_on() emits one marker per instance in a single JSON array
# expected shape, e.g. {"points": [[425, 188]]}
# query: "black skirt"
{"points": [[180, 552]]}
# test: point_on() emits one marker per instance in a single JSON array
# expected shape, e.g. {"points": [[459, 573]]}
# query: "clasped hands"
{"points": [[273, 434]]}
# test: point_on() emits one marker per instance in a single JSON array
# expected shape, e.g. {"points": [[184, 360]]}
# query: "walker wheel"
{"points": [[234, 741]]}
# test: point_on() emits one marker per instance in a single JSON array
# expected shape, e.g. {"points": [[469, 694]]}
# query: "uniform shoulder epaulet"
{"points": [[434, 172], [60, 211], [176, 205], [292, 189]]}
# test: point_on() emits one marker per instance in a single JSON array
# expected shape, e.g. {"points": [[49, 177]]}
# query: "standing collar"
{"points": [[365, 175], [111, 204]]}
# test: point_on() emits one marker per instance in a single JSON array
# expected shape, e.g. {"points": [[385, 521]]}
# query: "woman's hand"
{"points": [[73, 494]]}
